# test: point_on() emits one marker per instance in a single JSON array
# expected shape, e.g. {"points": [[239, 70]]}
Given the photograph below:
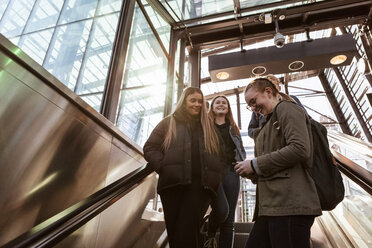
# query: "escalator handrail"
{"points": [[51, 231], [355, 172]]}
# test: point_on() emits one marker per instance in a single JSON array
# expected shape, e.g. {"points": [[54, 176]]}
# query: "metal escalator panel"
{"points": [[350, 223]]}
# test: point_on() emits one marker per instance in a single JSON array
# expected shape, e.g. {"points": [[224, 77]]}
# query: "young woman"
{"points": [[286, 197], [223, 207], [257, 120], [184, 150]]}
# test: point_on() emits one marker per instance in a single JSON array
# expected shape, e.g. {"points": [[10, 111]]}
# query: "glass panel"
{"points": [[140, 111], [144, 82], [66, 53], [97, 57], [252, 3], [3, 5], [194, 9], [44, 15], [109, 6], [74, 10], [93, 100], [15, 18], [162, 27], [36, 44]]}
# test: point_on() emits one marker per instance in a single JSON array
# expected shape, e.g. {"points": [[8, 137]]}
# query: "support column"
{"points": [[334, 104], [194, 66], [116, 67], [238, 108], [170, 73], [353, 104], [181, 70]]}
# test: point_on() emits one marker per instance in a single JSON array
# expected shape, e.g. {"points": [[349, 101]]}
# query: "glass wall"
{"points": [[142, 97], [72, 39]]}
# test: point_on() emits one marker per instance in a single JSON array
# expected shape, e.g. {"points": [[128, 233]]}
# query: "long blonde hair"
{"points": [[229, 117], [211, 141]]}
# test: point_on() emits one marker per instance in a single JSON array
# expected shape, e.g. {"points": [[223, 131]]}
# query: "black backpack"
{"points": [[327, 177]]}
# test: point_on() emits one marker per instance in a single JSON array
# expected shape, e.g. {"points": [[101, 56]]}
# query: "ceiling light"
{"points": [[338, 59], [222, 75], [258, 70], [296, 65], [314, 55]]}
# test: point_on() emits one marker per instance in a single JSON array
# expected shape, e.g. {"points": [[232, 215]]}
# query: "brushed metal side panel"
{"points": [[119, 226], [49, 159], [55, 150]]}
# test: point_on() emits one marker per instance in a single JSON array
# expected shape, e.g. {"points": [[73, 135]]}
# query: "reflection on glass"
{"points": [[142, 97], [44, 15], [36, 44], [108, 6], [15, 17], [140, 111], [74, 10], [3, 5], [97, 56], [194, 9], [67, 50], [162, 28]]}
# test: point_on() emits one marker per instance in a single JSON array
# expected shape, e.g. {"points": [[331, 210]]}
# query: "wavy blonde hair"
{"points": [[229, 117], [211, 141]]}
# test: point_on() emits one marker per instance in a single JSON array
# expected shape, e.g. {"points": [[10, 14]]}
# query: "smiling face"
{"points": [[260, 102], [220, 106], [194, 103]]}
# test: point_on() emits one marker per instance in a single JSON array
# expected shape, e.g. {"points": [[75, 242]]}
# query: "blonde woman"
{"points": [[286, 198], [223, 206], [184, 150], [257, 120]]}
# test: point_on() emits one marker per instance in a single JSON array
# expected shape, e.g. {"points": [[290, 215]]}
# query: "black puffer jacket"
{"points": [[174, 165]]}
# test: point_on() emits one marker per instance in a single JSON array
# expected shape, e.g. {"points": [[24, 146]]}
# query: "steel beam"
{"points": [[116, 67], [334, 104]]}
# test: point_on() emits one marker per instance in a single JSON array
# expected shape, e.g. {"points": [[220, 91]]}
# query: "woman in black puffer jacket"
{"points": [[184, 150]]}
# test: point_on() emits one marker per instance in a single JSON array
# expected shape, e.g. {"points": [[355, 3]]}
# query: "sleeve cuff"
{"points": [[255, 166]]}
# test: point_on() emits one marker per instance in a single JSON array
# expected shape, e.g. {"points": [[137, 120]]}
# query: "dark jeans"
{"points": [[223, 209], [281, 232], [184, 208]]}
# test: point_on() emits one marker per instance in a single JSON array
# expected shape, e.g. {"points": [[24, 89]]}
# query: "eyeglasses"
{"points": [[252, 103]]}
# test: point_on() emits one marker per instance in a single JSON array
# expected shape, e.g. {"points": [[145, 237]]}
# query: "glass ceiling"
{"points": [[197, 12]]}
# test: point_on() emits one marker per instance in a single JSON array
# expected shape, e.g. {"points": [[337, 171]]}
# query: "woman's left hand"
{"points": [[243, 168]]}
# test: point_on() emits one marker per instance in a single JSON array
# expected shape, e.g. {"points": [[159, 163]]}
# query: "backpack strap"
{"points": [[274, 117]]}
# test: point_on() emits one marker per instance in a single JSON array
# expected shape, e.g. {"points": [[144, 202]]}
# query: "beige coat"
{"points": [[283, 151]]}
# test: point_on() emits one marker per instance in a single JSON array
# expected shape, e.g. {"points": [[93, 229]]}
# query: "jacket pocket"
{"points": [[281, 174]]}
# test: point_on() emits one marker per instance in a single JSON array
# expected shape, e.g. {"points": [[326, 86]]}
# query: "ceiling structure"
{"points": [[216, 27]]}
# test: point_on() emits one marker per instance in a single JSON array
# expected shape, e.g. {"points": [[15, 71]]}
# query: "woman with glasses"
{"points": [[286, 197], [256, 119], [184, 150], [223, 207]]}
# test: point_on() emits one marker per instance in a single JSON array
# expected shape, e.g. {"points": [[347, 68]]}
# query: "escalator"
{"points": [[70, 178]]}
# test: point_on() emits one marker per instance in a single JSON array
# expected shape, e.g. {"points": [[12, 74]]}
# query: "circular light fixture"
{"points": [[338, 59], [296, 65], [223, 75], [258, 70]]}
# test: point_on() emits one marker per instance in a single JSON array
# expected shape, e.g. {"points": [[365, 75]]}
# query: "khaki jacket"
{"points": [[283, 151]]}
